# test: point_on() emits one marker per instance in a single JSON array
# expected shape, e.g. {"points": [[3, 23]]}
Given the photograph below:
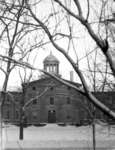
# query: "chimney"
{"points": [[71, 76]]}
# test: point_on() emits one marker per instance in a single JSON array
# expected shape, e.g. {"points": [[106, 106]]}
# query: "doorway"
{"points": [[51, 116]]}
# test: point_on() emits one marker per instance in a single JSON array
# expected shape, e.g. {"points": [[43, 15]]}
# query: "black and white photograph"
{"points": [[57, 74]]}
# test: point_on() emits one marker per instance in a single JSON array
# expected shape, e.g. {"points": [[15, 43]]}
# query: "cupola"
{"points": [[51, 64]]}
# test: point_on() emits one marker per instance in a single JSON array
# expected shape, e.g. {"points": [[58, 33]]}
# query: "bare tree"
{"points": [[102, 43], [62, 24], [14, 41]]}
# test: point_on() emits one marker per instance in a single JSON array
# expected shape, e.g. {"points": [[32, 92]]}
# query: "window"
{"points": [[54, 69], [7, 115], [35, 101], [51, 100], [34, 88], [110, 100], [47, 69], [34, 115], [68, 100], [17, 114], [69, 88], [68, 117], [51, 88], [7, 100], [51, 69]]}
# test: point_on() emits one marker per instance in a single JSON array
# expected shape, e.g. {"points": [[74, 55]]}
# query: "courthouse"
{"points": [[47, 100]]}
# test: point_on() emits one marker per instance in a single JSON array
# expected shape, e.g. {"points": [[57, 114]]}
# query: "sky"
{"points": [[83, 43], [64, 68]]}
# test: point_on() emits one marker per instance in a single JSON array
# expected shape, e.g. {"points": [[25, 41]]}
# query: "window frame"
{"points": [[68, 100], [34, 102], [51, 100]]}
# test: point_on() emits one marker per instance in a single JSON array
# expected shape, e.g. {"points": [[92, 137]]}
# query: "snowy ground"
{"points": [[55, 136]]}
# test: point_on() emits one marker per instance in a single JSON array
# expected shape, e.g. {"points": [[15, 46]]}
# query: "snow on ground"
{"points": [[56, 132], [57, 135]]}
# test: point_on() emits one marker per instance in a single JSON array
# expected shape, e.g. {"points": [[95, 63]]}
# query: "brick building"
{"points": [[58, 103], [49, 101]]}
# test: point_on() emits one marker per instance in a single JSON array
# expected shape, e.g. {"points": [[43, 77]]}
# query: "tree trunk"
{"points": [[21, 136], [94, 138], [94, 129], [21, 125]]}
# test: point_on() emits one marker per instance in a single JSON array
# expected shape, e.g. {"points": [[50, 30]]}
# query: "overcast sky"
{"points": [[83, 43]]}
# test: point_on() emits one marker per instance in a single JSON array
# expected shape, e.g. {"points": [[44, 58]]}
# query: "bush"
{"points": [[40, 124], [62, 124]]}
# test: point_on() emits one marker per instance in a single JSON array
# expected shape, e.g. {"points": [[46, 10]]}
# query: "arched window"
{"points": [[48, 69], [52, 68]]}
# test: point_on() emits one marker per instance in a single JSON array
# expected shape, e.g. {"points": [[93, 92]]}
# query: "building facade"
{"points": [[48, 101], [54, 102]]}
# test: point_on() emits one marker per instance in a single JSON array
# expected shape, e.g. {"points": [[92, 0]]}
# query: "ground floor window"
{"points": [[68, 117], [17, 114], [8, 115], [34, 115]]}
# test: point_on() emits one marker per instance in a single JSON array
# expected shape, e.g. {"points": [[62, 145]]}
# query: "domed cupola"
{"points": [[51, 64]]}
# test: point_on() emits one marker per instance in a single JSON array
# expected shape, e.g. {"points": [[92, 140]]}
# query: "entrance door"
{"points": [[51, 116]]}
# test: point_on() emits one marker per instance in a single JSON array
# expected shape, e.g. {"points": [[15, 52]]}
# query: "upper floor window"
{"points": [[51, 88], [51, 100], [8, 101], [110, 100], [68, 100], [69, 88], [35, 101], [33, 88]]}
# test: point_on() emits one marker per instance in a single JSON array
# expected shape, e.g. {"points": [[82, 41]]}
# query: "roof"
{"points": [[51, 58], [48, 78]]}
